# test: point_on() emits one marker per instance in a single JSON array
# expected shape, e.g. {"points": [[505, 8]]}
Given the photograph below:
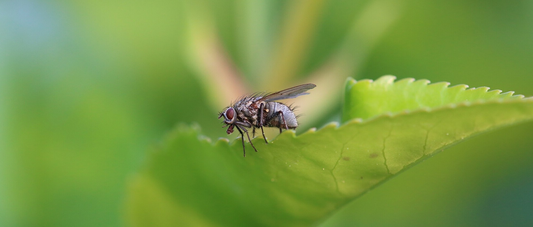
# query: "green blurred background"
{"points": [[86, 88]]}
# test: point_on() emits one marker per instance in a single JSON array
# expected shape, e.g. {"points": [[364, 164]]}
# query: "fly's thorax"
{"points": [[247, 109], [274, 120]]}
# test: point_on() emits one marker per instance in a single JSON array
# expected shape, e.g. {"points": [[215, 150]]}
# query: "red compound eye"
{"points": [[230, 113]]}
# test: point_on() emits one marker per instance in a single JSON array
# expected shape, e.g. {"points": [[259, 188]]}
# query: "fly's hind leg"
{"points": [[282, 120]]}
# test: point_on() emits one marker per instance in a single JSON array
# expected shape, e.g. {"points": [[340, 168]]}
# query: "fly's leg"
{"points": [[242, 135], [253, 132], [282, 120], [262, 120], [249, 139], [264, 135]]}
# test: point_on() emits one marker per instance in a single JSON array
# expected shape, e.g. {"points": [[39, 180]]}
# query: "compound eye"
{"points": [[230, 114]]}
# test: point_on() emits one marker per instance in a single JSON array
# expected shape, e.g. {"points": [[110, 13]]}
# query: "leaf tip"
{"points": [[284, 134], [331, 125], [222, 140], [387, 79], [483, 89], [204, 138], [460, 86], [422, 81], [311, 130], [408, 80], [353, 121], [441, 85]]}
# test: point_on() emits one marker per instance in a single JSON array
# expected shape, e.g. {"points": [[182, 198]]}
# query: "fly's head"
{"points": [[229, 118]]}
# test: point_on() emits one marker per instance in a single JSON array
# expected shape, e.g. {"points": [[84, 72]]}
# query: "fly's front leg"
{"points": [[242, 137], [240, 126], [262, 120]]}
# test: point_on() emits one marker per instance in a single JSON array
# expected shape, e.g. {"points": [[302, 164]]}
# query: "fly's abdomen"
{"points": [[287, 116]]}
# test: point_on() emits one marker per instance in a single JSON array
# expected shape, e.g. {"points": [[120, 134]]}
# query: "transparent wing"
{"points": [[288, 93]]}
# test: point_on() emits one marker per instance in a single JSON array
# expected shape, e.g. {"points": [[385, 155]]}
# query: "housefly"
{"points": [[261, 110]]}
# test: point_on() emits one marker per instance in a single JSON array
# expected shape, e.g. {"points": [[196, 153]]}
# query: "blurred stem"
{"points": [[295, 38], [368, 28], [207, 56], [257, 35], [366, 31]]}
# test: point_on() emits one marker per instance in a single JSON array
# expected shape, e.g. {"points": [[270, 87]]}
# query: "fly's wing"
{"points": [[288, 93]]}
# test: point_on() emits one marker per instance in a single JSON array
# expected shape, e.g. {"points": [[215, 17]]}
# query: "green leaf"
{"points": [[300, 180], [366, 98]]}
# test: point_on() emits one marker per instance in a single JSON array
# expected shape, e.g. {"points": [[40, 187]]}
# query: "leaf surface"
{"points": [[300, 180]]}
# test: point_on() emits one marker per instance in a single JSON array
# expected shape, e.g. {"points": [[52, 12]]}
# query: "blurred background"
{"points": [[87, 87]]}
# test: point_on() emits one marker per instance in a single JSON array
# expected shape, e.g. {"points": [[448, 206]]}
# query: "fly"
{"points": [[261, 110]]}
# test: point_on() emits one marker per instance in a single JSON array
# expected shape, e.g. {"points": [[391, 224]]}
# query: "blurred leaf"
{"points": [[296, 181]]}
